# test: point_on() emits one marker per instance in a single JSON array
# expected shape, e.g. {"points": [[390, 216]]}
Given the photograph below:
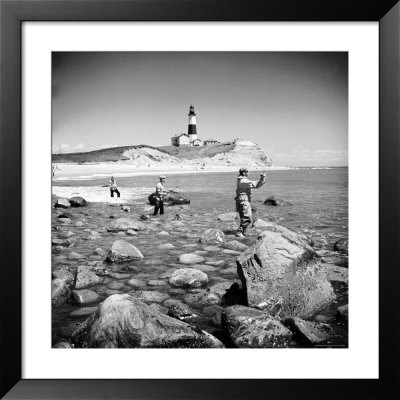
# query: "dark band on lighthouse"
{"points": [[192, 130]]}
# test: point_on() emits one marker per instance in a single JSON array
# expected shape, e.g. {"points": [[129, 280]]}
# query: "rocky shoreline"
{"points": [[183, 280]]}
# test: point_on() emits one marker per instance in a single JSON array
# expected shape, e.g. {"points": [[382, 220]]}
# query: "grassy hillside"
{"points": [[103, 155]]}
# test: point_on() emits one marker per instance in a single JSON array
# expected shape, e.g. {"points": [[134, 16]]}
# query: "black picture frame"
{"points": [[14, 12]]}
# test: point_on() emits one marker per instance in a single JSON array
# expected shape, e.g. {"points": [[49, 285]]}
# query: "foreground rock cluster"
{"points": [[265, 291]]}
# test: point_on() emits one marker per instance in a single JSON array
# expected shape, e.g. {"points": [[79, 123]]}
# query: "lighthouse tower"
{"points": [[192, 131]]}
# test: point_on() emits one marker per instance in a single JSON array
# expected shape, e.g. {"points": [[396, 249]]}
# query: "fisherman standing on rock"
{"points": [[243, 198]]}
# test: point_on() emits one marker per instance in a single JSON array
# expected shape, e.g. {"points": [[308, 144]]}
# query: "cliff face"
{"points": [[235, 153]]}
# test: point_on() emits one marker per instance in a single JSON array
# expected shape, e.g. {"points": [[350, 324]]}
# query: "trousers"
{"points": [[158, 206], [112, 190], [243, 207]]}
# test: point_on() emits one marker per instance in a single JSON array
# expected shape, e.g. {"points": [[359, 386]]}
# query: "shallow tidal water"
{"points": [[319, 210]]}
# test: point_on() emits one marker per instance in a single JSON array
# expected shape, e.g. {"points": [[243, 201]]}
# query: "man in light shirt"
{"points": [[159, 196], [243, 198]]}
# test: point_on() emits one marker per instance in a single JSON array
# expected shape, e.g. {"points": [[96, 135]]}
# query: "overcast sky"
{"points": [[293, 105]]}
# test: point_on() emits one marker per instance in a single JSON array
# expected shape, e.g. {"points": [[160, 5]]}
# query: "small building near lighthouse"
{"points": [[180, 139], [189, 139]]}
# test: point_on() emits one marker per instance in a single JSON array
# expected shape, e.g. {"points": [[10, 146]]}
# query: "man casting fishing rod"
{"points": [[159, 195]]}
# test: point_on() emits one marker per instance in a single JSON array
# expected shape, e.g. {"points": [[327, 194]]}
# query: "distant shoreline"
{"points": [[68, 171]]}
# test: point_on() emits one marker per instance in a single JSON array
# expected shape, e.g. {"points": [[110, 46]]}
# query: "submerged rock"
{"points": [[122, 251], [201, 299], [188, 278], [125, 322], [212, 236], [228, 217], [250, 328], [274, 201], [85, 296], [175, 198], [235, 245], [280, 274], [149, 296]]}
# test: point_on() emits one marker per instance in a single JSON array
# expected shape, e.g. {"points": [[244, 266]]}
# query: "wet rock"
{"points": [[75, 256], [148, 296], [216, 262], [191, 258], [78, 201], [124, 224], [323, 319], [79, 224], [228, 217], [99, 251], [235, 245], [110, 292], [334, 273], [212, 248], [85, 296], [163, 233], [65, 235], [214, 313], [57, 249], [166, 246], [342, 245], [231, 252], [261, 224], [144, 217], [93, 235], [308, 332], [122, 251], [131, 232], [212, 236], [188, 278], [62, 203], [178, 309], [121, 233], [159, 308], [205, 268], [124, 322], [62, 242], [65, 214], [85, 277], [64, 221], [59, 292], [274, 201], [155, 282], [250, 328], [115, 285], [342, 314], [175, 198], [136, 283], [280, 274], [119, 276], [83, 312], [62, 272], [201, 299], [126, 209], [176, 291], [221, 288]]}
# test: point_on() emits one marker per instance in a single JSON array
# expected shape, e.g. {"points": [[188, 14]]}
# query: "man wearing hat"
{"points": [[159, 196], [243, 198]]}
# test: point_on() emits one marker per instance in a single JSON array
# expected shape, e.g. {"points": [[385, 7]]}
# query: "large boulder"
{"points": [[212, 236], [62, 203], [176, 198], [274, 201], [122, 251], [188, 278], [125, 224], [59, 292], [281, 274], [250, 328], [125, 322], [78, 201]]}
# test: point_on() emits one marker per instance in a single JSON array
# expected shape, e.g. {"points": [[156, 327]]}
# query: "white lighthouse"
{"points": [[192, 130]]}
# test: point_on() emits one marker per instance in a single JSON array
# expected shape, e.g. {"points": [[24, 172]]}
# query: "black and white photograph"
{"points": [[199, 200]]}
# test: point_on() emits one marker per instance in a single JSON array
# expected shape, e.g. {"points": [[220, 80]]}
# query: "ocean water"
{"points": [[319, 210], [319, 197]]}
